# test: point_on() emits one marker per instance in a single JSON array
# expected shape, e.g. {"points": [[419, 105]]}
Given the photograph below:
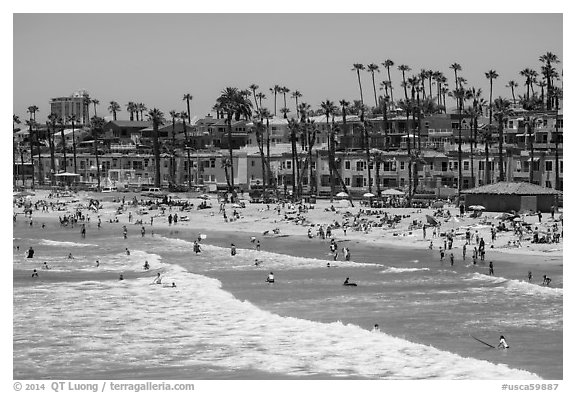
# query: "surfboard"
{"points": [[483, 342]]}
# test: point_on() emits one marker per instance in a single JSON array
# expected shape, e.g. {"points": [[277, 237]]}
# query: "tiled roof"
{"points": [[511, 188]]}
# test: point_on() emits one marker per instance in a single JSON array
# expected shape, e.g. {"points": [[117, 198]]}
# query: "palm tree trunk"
{"points": [[74, 148], [531, 152], [22, 167], [330, 159], [374, 87], [229, 124], [97, 161], [40, 164], [390, 80], [486, 163], [409, 155], [360, 85], [472, 139], [459, 147], [260, 143], [64, 149], [378, 190], [500, 150], [187, 147], [156, 145], [31, 141], [556, 158], [293, 143]]}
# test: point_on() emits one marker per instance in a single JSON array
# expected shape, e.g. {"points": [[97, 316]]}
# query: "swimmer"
{"points": [[257, 262], [546, 281], [270, 278], [45, 266], [34, 273], [127, 251], [376, 328], [158, 279], [232, 249], [70, 256], [146, 265], [503, 344], [491, 268], [349, 284], [121, 277], [328, 264], [97, 263]]}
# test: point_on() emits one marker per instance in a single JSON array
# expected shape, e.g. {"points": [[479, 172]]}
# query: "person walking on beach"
{"points": [[232, 249], [258, 245], [30, 253], [146, 265], [151, 221], [170, 219], [464, 251], [530, 276], [424, 231], [431, 245], [468, 236], [451, 259], [83, 231], [441, 254], [503, 344], [99, 222], [143, 231], [491, 269], [539, 216]]}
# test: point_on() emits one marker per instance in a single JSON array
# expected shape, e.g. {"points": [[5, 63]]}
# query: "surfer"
{"points": [[503, 344], [347, 283], [270, 278]]}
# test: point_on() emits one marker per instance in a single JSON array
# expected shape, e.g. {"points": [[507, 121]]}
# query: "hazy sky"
{"points": [[156, 58]]}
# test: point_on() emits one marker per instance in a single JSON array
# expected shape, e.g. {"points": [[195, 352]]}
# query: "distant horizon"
{"points": [[110, 55]]}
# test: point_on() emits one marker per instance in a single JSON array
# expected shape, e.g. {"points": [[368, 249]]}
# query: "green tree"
{"points": [[548, 71]]}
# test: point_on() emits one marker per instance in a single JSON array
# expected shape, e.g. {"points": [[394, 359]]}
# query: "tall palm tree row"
{"points": [[512, 84], [404, 68], [114, 108], [95, 102], [501, 113]]}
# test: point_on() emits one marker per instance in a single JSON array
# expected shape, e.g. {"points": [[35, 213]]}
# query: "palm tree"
{"points": [[502, 112], [541, 84], [387, 64], [527, 73], [51, 130], [284, 90], [86, 101], [254, 87], [114, 108], [157, 118], [31, 123], [234, 104], [174, 115], [512, 85], [548, 59], [456, 67], [328, 107], [95, 102], [264, 113], [459, 94], [294, 128], [188, 97], [96, 127], [141, 108], [491, 75], [32, 110], [15, 120], [371, 68], [275, 90], [296, 94], [358, 67], [261, 96], [184, 115], [72, 119], [404, 68], [344, 105], [131, 107], [474, 111]]}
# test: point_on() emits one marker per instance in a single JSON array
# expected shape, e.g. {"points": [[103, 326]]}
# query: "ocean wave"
{"points": [[150, 324], [518, 286], [55, 243], [404, 269]]}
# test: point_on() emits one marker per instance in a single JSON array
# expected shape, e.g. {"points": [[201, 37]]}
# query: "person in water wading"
{"points": [[503, 344]]}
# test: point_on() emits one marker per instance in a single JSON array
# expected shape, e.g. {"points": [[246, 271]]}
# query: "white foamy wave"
{"points": [[533, 289], [220, 258], [486, 278], [218, 329], [404, 269], [55, 243]]}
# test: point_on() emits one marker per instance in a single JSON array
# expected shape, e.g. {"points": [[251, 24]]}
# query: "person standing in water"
{"points": [[503, 344], [491, 268], [30, 253], [232, 249], [270, 278], [530, 276]]}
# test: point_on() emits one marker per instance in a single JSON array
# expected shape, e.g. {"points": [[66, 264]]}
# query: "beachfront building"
{"points": [[73, 105], [517, 196]]}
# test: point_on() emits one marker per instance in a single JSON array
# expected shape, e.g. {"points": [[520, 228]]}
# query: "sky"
{"points": [[157, 58]]}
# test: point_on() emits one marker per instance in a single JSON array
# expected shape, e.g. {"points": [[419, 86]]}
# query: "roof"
{"points": [[512, 188], [128, 123]]}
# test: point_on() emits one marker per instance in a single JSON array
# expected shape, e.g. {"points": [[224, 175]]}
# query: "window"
{"points": [[363, 182], [454, 125], [548, 184], [347, 181], [401, 165], [548, 166], [359, 166], [347, 165], [510, 124], [252, 162], [212, 163], [455, 165], [288, 164], [545, 122], [444, 166], [518, 166], [481, 166], [466, 165]]}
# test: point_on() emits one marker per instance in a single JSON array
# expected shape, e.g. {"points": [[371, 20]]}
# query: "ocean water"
{"points": [[222, 320]]}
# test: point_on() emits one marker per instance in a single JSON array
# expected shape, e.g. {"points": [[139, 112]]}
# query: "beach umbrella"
{"points": [[431, 220], [517, 219], [476, 207], [369, 195], [202, 236], [342, 194], [204, 196]]}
